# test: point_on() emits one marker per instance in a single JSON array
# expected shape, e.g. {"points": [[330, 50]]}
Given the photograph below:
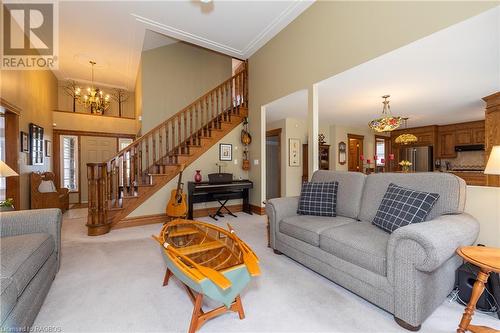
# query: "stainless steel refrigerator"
{"points": [[420, 157]]}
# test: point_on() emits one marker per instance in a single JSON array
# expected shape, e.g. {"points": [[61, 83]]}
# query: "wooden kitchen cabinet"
{"points": [[464, 137], [472, 178], [478, 135], [446, 145]]}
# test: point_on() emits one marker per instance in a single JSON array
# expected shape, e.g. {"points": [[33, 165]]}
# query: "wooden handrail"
{"points": [[118, 179]]}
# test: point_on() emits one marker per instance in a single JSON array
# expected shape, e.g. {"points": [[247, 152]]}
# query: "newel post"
{"points": [[97, 222]]}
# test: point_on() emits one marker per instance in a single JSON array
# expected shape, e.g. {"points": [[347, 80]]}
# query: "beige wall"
{"points": [[65, 102], [484, 204], [175, 75], [92, 123], [138, 101], [157, 203], [291, 177], [331, 37], [35, 93]]}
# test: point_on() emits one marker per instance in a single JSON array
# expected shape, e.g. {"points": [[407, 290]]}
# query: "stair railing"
{"points": [[158, 151]]}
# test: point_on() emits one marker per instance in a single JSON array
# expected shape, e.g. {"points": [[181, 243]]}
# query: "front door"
{"points": [[94, 149], [355, 152]]}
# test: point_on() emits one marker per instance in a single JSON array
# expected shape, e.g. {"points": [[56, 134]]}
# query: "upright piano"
{"points": [[207, 192]]}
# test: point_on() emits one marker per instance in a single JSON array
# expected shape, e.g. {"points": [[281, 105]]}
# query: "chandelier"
{"points": [[94, 98], [406, 138], [387, 122]]}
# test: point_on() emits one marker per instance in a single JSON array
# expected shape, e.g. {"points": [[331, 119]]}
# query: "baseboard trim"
{"points": [[258, 210], [137, 221]]}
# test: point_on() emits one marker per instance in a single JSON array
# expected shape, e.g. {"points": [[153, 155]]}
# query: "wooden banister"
{"points": [[114, 181]]}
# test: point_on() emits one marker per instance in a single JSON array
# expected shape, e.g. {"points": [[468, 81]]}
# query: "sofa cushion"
{"points": [[362, 244], [318, 199], [22, 257], [350, 189], [451, 190], [402, 206], [8, 297], [308, 228]]}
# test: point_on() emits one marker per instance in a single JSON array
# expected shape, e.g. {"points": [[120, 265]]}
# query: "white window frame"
{"points": [[77, 162]]}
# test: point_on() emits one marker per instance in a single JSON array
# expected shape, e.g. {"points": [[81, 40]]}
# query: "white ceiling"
{"points": [[113, 32], [439, 79]]}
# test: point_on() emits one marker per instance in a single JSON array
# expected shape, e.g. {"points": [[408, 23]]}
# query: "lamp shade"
{"points": [[6, 171], [493, 165]]}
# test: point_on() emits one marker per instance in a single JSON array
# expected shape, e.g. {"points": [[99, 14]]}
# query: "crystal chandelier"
{"points": [[94, 98], [406, 138], [387, 122]]}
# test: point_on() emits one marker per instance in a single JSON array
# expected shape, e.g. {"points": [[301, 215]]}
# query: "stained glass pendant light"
{"points": [[406, 138], [387, 122]]}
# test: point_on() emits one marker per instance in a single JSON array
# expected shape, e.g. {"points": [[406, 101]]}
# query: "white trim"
{"points": [[61, 161]]}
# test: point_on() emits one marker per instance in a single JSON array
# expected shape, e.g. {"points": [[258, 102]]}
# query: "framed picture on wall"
{"points": [[225, 152], [48, 148], [24, 142], [294, 152], [36, 144]]}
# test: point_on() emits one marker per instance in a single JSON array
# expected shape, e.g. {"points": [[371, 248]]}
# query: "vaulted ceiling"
{"points": [[113, 32]]}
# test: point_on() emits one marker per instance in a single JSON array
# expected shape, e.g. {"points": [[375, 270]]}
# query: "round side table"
{"points": [[488, 260]]}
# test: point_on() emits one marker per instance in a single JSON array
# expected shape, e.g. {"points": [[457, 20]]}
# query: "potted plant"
{"points": [[6, 205], [405, 165]]}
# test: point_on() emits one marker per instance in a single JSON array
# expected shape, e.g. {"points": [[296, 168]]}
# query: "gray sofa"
{"points": [[30, 257], [408, 273]]}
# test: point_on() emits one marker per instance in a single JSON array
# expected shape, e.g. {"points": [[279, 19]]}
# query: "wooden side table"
{"points": [[488, 260]]}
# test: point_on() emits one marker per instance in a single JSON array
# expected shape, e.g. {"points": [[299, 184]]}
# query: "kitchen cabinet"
{"points": [[478, 135], [464, 137], [471, 178], [446, 145]]}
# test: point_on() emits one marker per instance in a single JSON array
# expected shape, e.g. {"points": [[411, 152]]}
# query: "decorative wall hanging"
{"points": [[36, 144], [225, 152], [246, 139], [294, 152], [25, 147], [120, 96], [48, 148], [342, 153]]}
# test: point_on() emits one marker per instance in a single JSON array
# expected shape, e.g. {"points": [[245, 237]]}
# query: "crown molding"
{"points": [[279, 23], [187, 36]]}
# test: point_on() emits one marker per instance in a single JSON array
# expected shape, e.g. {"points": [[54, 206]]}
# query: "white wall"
{"points": [[291, 177]]}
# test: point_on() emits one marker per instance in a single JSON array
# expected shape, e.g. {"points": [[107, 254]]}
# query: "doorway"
{"points": [[382, 145], [273, 164], [355, 151], [9, 151]]}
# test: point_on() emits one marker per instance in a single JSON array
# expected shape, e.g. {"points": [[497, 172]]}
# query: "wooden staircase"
{"points": [[120, 185]]}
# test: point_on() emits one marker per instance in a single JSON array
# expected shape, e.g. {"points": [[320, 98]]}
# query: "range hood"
{"points": [[469, 148]]}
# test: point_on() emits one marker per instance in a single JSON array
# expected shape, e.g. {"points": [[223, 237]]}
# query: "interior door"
{"points": [[355, 151], [94, 149], [273, 164]]}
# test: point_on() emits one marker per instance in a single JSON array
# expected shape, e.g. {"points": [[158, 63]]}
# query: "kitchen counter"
{"points": [[471, 177]]}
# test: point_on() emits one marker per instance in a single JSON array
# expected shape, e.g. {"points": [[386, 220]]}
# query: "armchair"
{"points": [[57, 198]]}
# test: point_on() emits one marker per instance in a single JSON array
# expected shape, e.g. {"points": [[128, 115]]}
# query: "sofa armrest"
{"points": [[277, 209], [436, 240], [33, 221]]}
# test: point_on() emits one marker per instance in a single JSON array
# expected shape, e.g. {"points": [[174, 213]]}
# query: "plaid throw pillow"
{"points": [[319, 199], [402, 206]]}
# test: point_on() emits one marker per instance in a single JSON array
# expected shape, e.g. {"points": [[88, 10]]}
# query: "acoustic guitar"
{"points": [[177, 206]]}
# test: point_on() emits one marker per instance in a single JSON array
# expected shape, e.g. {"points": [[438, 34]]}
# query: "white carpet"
{"points": [[112, 283]]}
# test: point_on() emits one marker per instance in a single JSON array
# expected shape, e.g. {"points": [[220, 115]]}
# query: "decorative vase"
{"points": [[197, 176], [406, 168]]}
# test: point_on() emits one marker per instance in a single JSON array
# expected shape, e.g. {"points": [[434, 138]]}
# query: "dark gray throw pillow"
{"points": [[319, 199], [402, 206]]}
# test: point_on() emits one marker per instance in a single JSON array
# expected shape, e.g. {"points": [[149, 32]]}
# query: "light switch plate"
{"points": [[255, 162]]}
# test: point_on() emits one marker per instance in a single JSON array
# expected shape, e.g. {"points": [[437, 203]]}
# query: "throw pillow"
{"points": [[319, 199], [47, 186], [402, 206]]}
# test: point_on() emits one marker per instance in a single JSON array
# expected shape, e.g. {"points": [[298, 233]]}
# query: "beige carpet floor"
{"points": [[112, 283]]}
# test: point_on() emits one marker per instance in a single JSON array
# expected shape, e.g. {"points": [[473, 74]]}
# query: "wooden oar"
{"points": [[249, 258], [220, 280]]}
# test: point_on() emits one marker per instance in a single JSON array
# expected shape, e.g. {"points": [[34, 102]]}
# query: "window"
{"points": [[380, 147], [69, 162]]}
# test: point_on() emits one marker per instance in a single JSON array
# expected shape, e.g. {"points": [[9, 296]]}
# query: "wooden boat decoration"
{"points": [[209, 261]]}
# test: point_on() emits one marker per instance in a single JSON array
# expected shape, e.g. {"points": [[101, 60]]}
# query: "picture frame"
{"points": [[24, 142], [36, 144], [225, 152], [48, 148], [294, 152]]}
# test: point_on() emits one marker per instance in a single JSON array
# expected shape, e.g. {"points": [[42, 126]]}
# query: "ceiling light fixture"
{"points": [[406, 138], [94, 98], [387, 122]]}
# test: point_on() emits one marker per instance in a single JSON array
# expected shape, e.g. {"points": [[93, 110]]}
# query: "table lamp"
{"points": [[493, 165], [6, 171]]}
